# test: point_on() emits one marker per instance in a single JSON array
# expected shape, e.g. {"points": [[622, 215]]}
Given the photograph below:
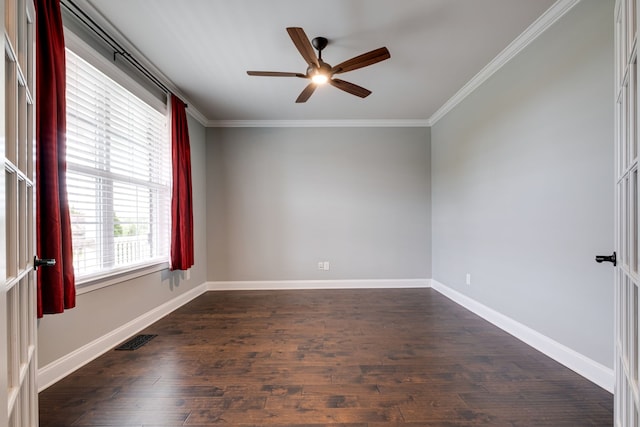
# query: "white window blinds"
{"points": [[118, 175]]}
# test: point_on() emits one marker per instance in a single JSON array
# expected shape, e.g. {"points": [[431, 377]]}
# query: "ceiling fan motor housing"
{"points": [[324, 68]]}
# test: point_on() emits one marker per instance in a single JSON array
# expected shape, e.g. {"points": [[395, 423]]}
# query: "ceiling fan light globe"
{"points": [[319, 79]]}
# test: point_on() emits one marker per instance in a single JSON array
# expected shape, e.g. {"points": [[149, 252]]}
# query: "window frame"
{"points": [[118, 275]]}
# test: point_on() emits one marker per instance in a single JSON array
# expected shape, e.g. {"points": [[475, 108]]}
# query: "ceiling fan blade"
{"points": [[303, 44], [306, 93], [274, 74], [363, 60], [350, 88]]}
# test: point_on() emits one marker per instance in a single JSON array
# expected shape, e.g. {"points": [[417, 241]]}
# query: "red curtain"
{"points": [[56, 285], [181, 199]]}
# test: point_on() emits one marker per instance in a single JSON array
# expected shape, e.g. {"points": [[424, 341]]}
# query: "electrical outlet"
{"points": [[468, 280], [320, 265], [326, 265]]}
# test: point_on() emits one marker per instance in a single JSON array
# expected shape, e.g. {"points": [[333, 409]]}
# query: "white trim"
{"points": [[273, 285], [58, 369], [91, 284], [197, 115], [316, 123], [546, 20], [582, 365], [591, 370]]}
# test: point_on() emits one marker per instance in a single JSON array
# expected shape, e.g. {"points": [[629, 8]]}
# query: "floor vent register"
{"points": [[136, 342]]}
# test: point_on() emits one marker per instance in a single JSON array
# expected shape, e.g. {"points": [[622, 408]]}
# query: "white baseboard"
{"points": [[591, 370], [255, 285], [55, 371], [58, 369]]}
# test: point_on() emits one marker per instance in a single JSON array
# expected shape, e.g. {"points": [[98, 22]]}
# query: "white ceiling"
{"points": [[205, 48]]}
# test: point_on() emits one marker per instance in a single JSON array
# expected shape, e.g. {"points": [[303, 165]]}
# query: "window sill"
{"points": [[91, 284]]}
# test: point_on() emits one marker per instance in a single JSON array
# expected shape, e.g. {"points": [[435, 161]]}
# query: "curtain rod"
{"points": [[117, 48]]}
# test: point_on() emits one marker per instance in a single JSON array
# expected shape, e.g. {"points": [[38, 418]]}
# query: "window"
{"points": [[118, 175]]}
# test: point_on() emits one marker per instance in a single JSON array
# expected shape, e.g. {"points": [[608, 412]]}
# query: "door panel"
{"points": [[18, 390], [627, 352]]}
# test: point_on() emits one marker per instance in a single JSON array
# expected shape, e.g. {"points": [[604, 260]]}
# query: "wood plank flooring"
{"points": [[356, 358]]}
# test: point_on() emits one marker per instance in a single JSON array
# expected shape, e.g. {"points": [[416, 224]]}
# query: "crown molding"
{"points": [[315, 123], [193, 112], [546, 20]]}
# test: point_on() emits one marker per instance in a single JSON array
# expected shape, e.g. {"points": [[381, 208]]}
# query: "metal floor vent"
{"points": [[136, 342]]}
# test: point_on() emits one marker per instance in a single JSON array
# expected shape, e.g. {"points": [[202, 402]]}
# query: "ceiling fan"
{"points": [[319, 72]]}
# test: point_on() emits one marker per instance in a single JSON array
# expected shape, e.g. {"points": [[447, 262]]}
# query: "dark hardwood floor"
{"points": [[350, 358]]}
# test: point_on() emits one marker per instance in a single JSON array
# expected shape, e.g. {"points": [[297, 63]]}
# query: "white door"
{"points": [[18, 389], [627, 401]]}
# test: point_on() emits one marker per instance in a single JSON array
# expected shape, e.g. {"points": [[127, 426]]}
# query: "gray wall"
{"points": [[100, 312], [522, 176], [282, 199], [514, 186]]}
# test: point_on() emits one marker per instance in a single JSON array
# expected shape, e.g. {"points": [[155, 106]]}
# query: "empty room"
{"points": [[353, 213]]}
